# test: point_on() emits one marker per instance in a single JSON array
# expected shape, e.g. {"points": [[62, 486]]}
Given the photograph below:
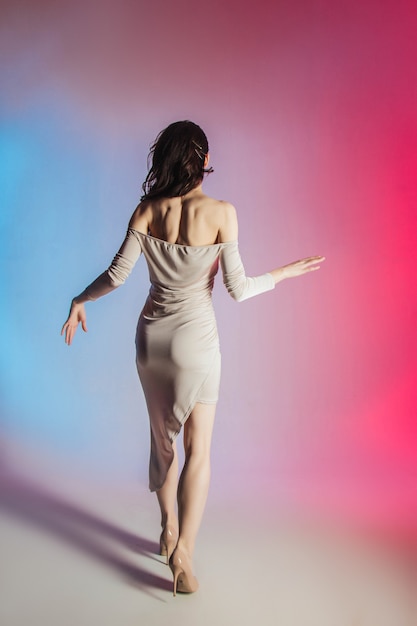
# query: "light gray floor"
{"points": [[87, 556]]}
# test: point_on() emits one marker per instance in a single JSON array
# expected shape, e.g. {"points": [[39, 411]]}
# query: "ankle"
{"points": [[169, 520], [185, 547]]}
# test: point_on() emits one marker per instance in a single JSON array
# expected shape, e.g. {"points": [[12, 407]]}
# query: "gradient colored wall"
{"points": [[310, 108]]}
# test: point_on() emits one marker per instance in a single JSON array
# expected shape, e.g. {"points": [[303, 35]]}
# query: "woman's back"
{"points": [[192, 220]]}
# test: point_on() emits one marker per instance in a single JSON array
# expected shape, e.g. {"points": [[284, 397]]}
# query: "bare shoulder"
{"points": [[229, 210], [224, 210], [221, 212], [228, 229], [141, 217]]}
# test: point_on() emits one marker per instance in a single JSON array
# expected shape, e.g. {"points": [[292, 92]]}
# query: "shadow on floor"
{"points": [[79, 529]]}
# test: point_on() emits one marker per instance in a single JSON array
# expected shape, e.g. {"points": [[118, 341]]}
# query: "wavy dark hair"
{"points": [[176, 161]]}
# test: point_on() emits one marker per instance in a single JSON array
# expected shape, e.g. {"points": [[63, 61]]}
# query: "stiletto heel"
{"points": [[184, 579], [176, 573], [167, 542]]}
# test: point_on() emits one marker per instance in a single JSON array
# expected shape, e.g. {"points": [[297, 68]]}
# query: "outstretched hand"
{"points": [[76, 315], [297, 268]]}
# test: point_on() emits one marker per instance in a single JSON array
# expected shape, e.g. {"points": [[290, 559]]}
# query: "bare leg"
{"points": [[195, 476], [167, 496]]}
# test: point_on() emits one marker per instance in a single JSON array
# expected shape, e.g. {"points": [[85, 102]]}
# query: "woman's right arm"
{"points": [[237, 283]]}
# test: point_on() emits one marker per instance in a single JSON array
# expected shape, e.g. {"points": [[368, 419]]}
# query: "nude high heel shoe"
{"points": [[167, 542], [184, 579]]}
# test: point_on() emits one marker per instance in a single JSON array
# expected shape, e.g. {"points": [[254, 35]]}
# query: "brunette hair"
{"points": [[177, 161]]}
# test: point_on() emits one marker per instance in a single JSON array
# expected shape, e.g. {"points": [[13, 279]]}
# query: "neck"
{"points": [[197, 191]]}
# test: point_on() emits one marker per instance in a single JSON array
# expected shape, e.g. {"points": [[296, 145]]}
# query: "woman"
{"points": [[183, 235]]}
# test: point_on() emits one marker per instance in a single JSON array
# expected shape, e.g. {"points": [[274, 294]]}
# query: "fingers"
{"points": [[313, 259], [77, 315], [303, 266], [69, 331], [65, 330], [70, 334], [310, 263]]}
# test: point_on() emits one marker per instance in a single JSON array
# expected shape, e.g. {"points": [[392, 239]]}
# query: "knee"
{"points": [[197, 452]]}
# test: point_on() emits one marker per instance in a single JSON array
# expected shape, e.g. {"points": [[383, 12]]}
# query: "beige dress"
{"points": [[177, 345]]}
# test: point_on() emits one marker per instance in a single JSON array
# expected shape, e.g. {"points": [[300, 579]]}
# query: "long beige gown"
{"points": [[177, 345]]}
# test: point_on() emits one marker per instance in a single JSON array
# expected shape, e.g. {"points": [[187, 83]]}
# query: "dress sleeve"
{"points": [[240, 286], [117, 272]]}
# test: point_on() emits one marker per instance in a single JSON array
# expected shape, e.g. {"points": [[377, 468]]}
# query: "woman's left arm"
{"points": [[109, 280]]}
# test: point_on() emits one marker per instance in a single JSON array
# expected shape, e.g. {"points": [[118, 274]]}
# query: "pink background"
{"points": [[310, 108]]}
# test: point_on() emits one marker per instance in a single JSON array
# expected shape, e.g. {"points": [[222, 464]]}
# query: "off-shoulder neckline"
{"points": [[180, 245]]}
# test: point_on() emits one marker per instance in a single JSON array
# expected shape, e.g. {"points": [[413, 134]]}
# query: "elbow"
{"points": [[118, 271], [116, 282], [237, 295], [115, 279], [235, 289]]}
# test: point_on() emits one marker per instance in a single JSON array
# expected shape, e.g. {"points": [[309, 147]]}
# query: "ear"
{"points": [[206, 160]]}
